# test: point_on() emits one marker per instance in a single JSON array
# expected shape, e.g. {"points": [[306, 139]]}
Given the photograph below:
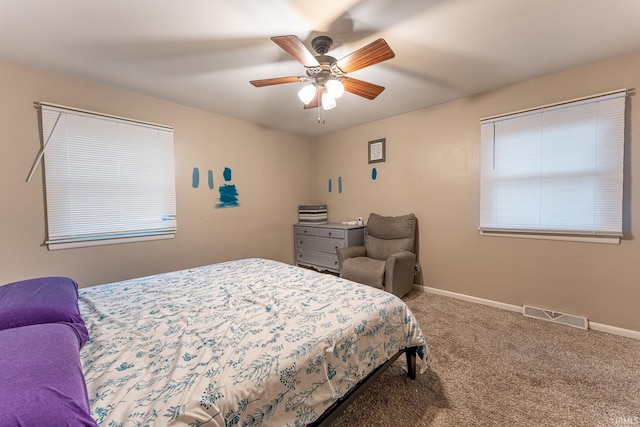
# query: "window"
{"points": [[108, 180], [555, 170]]}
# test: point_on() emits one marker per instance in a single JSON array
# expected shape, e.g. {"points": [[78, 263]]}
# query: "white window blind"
{"points": [[107, 179], [555, 169]]}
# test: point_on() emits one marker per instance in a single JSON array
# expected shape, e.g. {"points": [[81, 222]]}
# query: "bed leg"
{"points": [[411, 362]]}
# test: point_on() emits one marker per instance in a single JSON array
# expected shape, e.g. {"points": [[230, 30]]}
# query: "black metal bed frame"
{"points": [[339, 406]]}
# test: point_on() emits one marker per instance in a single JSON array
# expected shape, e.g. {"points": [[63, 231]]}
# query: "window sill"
{"points": [[609, 240], [88, 243]]}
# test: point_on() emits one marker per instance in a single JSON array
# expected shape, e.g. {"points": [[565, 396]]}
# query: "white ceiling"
{"points": [[202, 53]]}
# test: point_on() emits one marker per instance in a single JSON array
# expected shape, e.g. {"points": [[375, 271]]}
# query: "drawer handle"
{"points": [[301, 242], [329, 233]]}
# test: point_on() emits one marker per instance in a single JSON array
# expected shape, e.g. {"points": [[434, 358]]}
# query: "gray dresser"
{"points": [[315, 244]]}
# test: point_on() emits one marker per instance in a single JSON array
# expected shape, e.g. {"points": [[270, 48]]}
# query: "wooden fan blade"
{"points": [[316, 101], [362, 88], [294, 47], [370, 54], [277, 81]]}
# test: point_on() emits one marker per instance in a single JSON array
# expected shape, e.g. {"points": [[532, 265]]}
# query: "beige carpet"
{"points": [[493, 367]]}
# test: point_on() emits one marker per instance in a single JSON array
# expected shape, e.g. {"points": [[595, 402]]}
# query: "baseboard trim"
{"points": [[629, 333], [614, 330], [469, 298]]}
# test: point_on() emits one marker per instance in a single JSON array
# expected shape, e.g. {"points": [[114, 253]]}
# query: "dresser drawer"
{"points": [[331, 232], [319, 243], [307, 231], [318, 259]]}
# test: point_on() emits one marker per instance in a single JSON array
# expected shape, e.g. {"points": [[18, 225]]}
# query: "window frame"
{"points": [[490, 177], [126, 191]]}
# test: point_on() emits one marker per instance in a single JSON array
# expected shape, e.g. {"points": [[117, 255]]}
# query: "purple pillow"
{"points": [[42, 300], [41, 379]]}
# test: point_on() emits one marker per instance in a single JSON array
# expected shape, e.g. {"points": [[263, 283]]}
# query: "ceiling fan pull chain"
{"points": [[320, 109]]}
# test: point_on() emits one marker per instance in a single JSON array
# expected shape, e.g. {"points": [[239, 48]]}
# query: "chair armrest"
{"points": [[349, 252], [399, 272]]}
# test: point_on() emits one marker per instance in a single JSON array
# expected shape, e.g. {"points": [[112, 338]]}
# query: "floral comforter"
{"points": [[242, 343]]}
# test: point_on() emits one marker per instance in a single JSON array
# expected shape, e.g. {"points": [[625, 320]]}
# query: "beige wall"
{"points": [[432, 169], [271, 170]]}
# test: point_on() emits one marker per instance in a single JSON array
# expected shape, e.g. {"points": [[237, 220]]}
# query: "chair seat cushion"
{"points": [[364, 270]]}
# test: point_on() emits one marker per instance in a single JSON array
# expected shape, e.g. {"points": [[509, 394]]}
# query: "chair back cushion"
{"points": [[392, 227], [387, 235], [382, 249]]}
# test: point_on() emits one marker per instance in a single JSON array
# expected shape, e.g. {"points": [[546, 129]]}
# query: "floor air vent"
{"points": [[554, 316]]}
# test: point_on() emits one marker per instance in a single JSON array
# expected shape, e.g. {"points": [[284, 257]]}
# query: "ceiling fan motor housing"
{"points": [[321, 44]]}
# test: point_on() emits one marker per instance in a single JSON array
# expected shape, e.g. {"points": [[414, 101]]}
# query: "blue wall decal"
{"points": [[330, 185], [227, 174], [339, 184], [210, 179], [195, 178], [374, 173], [228, 192]]}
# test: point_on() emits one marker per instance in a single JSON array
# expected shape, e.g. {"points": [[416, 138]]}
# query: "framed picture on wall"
{"points": [[377, 150]]}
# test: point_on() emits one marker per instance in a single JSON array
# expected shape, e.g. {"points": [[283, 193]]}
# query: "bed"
{"points": [[251, 342]]}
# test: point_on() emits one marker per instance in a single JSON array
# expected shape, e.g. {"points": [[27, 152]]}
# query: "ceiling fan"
{"points": [[327, 75]]}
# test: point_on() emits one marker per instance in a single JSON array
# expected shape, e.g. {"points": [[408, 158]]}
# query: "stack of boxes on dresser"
{"points": [[312, 214]]}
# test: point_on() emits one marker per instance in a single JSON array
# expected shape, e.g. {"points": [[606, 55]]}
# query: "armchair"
{"points": [[387, 259]]}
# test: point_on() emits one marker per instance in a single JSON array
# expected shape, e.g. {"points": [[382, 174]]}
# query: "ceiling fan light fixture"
{"points": [[328, 101], [307, 93], [335, 88]]}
